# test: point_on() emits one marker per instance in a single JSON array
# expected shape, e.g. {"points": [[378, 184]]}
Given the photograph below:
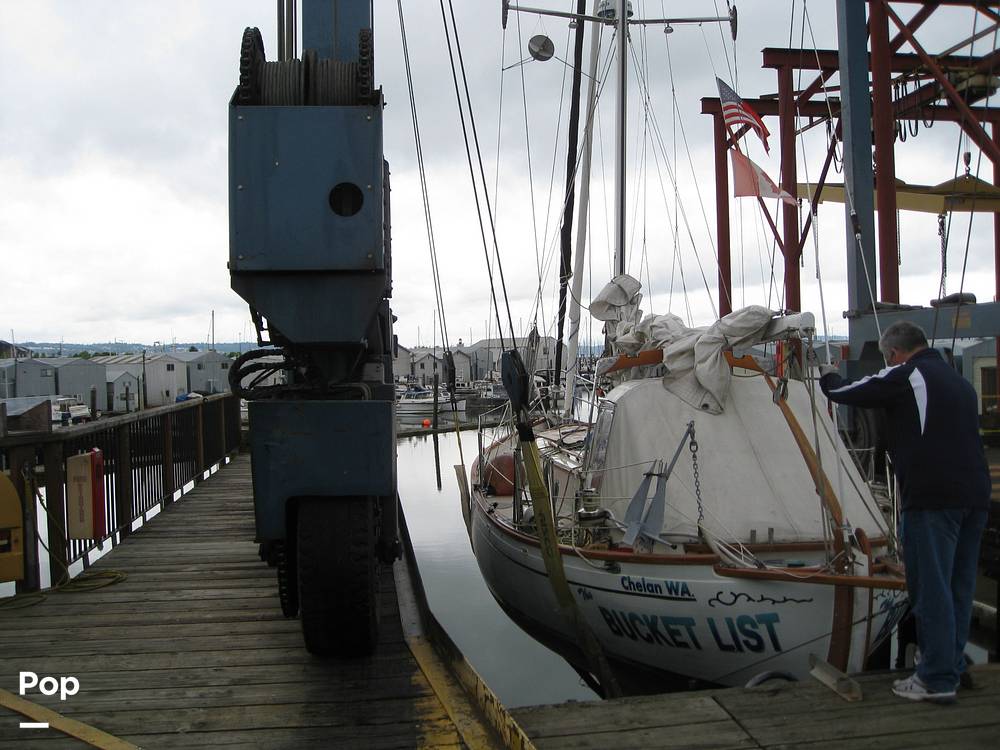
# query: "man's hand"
{"points": [[827, 369]]}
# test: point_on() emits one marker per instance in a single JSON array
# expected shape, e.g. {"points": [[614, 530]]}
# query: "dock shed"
{"points": [[164, 375], [76, 376], [207, 371], [402, 363], [26, 377], [123, 390]]}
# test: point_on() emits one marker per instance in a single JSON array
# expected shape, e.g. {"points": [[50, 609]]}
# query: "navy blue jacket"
{"points": [[933, 430]]}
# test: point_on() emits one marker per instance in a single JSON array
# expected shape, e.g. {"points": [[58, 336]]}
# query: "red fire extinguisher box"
{"points": [[85, 495]]}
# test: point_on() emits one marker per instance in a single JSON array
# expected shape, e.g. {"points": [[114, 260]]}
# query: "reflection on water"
{"points": [[518, 669]]}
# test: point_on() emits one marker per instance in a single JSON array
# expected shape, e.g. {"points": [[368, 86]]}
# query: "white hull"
{"points": [[678, 618]]}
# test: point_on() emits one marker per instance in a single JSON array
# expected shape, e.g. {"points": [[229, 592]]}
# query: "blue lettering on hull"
{"points": [[745, 633]]}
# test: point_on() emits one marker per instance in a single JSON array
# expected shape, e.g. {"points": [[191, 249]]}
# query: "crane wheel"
{"points": [[338, 575]]}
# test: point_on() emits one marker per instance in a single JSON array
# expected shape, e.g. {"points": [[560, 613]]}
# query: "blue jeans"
{"points": [[941, 552]]}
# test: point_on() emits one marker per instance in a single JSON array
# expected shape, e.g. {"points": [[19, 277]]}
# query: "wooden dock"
{"points": [[776, 717], [191, 650]]}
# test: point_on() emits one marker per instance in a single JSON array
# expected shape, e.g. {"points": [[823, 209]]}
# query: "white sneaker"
{"points": [[913, 688]]}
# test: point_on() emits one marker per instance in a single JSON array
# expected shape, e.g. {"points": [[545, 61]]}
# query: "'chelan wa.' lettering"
{"points": [[661, 588]]}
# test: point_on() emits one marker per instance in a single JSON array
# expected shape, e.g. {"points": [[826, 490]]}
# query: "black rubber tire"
{"points": [[338, 575], [871, 432]]}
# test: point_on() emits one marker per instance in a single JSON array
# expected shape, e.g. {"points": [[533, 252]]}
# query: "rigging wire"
{"points": [[527, 146], [848, 194], [555, 149], [550, 253], [722, 36], [468, 152], [425, 197], [644, 87], [979, 160]]}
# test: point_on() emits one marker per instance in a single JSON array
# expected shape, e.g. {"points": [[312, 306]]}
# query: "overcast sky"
{"points": [[114, 189]]}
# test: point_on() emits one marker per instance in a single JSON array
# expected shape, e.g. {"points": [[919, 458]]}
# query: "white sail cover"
{"points": [[694, 358], [752, 474]]}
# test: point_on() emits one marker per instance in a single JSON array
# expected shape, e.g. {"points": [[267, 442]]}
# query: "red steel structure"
{"points": [[947, 87]]}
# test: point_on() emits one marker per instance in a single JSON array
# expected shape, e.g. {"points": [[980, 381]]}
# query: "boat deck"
{"points": [[191, 650], [774, 716]]}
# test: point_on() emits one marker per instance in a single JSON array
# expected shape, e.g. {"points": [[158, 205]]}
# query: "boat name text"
{"points": [[662, 588], [738, 634]]}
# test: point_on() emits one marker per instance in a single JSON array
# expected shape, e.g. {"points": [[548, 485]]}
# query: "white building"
{"points": [[81, 378], [123, 390], [207, 371], [485, 355], [161, 376], [425, 365], [402, 363], [463, 366]]}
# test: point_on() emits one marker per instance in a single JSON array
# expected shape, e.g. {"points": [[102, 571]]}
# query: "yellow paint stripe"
{"points": [[451, 695], [91, 735]]}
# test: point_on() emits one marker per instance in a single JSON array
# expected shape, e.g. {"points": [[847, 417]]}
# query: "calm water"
{"points": [[518, 669]]}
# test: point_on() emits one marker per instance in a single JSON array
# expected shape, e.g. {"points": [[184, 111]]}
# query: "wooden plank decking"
{"points": [[775, 717], [192, 649]]}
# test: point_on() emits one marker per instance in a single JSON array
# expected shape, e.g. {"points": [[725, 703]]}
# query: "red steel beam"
{"points": [[819, 188], [885, 158], [915, 23], [790, 219], [931, 91], [769, 107], [829, 59], [969, 123], [722, 214]]}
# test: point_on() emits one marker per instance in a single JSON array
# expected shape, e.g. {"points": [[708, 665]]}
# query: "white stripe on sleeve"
{"points": [[919, 386], [851, 386]]}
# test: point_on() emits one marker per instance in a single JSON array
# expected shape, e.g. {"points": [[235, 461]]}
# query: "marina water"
{"points": [[516, 667]]}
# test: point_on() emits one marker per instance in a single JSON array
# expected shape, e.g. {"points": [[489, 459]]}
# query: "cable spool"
{"points": [[331, 82], [282, 83], [309, 81]]}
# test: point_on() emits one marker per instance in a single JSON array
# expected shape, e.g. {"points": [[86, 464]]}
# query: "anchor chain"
{"points": [[693, 447]]}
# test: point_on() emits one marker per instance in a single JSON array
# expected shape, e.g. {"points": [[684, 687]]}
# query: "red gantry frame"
{"points": [[936, 98]]}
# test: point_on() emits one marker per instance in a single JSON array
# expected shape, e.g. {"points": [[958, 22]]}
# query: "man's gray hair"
{"points": [[904, 336]]}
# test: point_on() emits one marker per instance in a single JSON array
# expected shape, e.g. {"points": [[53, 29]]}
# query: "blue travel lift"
{"points": [[310, 253]]}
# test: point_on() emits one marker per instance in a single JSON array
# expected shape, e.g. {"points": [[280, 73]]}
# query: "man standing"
{"points": [[944, 484]]}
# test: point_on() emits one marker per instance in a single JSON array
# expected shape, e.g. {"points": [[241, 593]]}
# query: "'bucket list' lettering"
{"points": [[739, 634]]}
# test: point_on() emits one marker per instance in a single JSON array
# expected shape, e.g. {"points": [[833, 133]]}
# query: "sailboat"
{"points": [[708, 527]]}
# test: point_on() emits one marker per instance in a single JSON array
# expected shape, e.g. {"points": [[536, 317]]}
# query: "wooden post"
{"points": [[221, 403], [21, 457], [199, 439], [123, 481], [435, 401], [55, 499], [168, 458]]}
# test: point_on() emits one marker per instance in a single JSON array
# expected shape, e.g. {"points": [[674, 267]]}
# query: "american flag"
{"points": [[736, 112]]}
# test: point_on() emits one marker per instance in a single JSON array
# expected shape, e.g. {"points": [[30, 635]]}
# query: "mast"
{"points": [[572, 343], [566, 235], [620, 106]]}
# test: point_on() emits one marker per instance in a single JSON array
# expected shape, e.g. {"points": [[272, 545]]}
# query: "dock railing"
{"points": [[149, 457]]}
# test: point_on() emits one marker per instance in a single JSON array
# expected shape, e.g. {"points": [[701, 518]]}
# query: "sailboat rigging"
{"points": [[675, 538]]}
